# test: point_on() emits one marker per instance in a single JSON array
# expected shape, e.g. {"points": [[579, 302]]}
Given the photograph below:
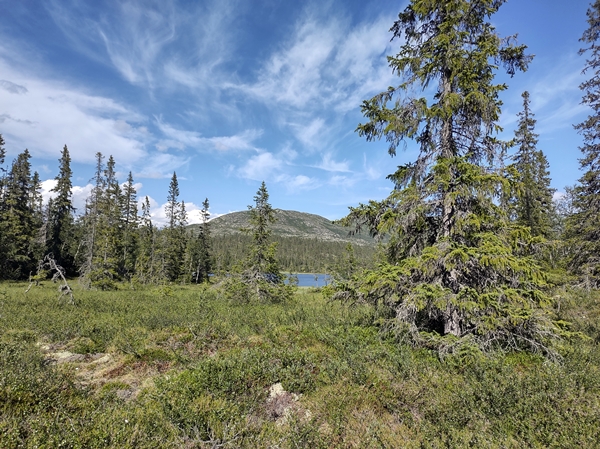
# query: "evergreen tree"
{"points": [[198, 257], [38, 242], [261, 278], [454, 265], [582, 226], [204, 266], [175, 235], [18, 221], [262, 262], [90, 222], [103, 229], [533, 202], [2, 169], [130, 225], [60, 219], [146, 261], [2, 152]]}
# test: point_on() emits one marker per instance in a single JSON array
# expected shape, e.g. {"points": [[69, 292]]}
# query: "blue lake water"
{"points": [[313, 280]]}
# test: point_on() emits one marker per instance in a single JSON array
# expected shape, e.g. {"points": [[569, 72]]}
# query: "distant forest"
{"points": [[112, 241]]}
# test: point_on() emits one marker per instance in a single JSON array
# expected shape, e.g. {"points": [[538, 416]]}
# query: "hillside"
{"points": [[291, 224]]}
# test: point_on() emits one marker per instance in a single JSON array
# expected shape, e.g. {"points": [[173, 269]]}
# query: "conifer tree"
{"points": [[146, 261], [204, 266], [454, 268], [17, 220], [262, 261], [102, 228], [130, 225], [262, 277], [582, 226], [90, 222], [60, 219], [175, 235], [533, 202]]}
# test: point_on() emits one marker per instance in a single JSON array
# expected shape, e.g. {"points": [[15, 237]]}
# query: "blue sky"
{"points": [[229, 93]]}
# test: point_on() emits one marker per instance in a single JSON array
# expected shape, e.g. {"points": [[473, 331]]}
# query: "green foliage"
{"points": [[533, 205], [582, 230], [175, 236], [60, 225], [19, 220], [201, 370], [259, 278], [456, 267]]}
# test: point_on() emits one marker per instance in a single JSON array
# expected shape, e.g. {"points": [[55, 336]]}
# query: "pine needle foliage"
{"points": [[457, 271], [582, 226], [533, 203]]}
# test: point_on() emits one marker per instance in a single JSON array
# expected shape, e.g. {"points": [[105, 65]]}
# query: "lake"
{"points": [[308, 279]]}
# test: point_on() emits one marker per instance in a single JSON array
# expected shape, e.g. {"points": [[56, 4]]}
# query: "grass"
{"points": [[182, 367]]}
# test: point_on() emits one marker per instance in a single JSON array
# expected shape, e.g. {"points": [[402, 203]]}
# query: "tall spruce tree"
{"points": [[454, 269], [102, 225], [175, 235], [582, 225], [130, 225], [198, 257], [146, 261], [533, 202], [262, 276], [60, 215], [18, 227]]}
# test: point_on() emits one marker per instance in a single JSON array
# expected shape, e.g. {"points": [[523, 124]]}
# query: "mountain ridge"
{"points": [[290, 224]]}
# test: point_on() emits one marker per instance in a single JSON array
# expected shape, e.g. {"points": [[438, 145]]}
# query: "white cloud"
{"points": [[47, 186], [261, 166], [159, 216], [79, 196], [181, 139], [46, 115], [161, 165], [298, 183], [328, 164]]}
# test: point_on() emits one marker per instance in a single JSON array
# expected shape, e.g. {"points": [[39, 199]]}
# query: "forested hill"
{"points": [[291, 224], [306, 243]]}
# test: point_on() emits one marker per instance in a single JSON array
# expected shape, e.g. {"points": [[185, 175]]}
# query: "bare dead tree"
{"points": [[46, 266]]}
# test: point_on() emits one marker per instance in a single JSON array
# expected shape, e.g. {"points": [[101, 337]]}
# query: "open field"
{"points": [[181, 367]]}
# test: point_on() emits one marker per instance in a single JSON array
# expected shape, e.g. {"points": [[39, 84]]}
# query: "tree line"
{"points": [[112, 241], [109, 242]]}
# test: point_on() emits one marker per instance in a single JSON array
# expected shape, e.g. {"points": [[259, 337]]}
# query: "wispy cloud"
{"points": [[154, 44], [13, 88], [261, 166], [328, 164], [181, 139], [45, 115]]}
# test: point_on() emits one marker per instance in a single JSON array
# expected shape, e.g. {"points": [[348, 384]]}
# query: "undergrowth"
{"points": [[141, 368]]}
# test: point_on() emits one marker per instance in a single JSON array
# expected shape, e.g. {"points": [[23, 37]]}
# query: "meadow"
{"points": [[180, 366]]}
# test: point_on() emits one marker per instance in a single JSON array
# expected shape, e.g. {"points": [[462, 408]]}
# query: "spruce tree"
{"points": [[454, 272], [130, 225], [533, 201], [103, 229], [60, 219], [204, 266], [90, 223], [198, 257], [583, 230], [262, 277], [146, 261], [18, 226], [175, 235]]}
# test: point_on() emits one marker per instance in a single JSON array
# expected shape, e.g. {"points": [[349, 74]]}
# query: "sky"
{"points": [[228, 93]]}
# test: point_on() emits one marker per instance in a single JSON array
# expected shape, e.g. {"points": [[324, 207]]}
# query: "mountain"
{"points": [[291, 224]]}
